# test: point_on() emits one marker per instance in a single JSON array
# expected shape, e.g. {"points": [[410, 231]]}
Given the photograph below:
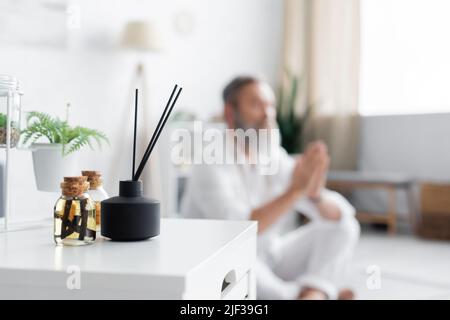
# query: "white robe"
{"points": [[288, 257]]}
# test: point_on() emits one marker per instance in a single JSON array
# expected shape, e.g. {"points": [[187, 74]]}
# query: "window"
{"points": [[405, 56]]}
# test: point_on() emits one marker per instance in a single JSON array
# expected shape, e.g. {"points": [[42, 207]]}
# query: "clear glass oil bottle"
{"points": [[96, 192], [74, 214]]}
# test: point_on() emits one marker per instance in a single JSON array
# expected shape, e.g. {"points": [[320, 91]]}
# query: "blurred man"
{"points": [[301, 263]]}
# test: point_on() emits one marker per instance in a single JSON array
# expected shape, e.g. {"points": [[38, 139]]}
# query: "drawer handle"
{"points": [[229, 280]]}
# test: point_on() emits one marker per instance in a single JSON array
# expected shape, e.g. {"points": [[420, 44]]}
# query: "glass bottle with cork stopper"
{"points": [[74, 214], [96, 192]]}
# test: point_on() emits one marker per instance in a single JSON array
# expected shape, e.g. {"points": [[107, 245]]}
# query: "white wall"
{"points": [[229, 37], [416, 145]]}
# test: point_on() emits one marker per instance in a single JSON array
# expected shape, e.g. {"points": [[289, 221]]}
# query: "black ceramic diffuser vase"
{"points": [[131, 216]]}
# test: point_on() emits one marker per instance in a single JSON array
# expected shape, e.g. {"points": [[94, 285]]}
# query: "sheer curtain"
{"points": [[321, 44]]}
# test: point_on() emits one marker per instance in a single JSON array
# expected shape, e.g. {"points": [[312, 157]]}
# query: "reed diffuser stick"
{"points": [[161, 123], [136, 94]]}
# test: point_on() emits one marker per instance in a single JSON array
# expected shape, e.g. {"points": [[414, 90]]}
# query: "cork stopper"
{"points": [[93, 177], [74, 186]]}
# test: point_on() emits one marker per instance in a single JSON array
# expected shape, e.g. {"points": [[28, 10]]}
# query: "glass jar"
{"points": [[96, 192], [74, 214], [10, 111]]}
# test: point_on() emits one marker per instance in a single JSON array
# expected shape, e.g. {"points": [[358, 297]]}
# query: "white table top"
{"points": [[182, 245]]}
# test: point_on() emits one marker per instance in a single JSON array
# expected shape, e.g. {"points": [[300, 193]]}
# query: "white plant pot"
{"points": [[50, 166]]}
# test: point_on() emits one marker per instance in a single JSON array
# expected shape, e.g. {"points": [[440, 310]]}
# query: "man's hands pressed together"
{"points": [[310, 176], [308, 180]]}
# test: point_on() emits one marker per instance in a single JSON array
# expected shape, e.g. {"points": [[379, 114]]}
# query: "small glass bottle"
{"points": [[74, 217], [96, 192]]}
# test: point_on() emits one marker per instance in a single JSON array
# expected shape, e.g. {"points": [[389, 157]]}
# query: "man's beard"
{"points": [[266, 125], [240, 123]]}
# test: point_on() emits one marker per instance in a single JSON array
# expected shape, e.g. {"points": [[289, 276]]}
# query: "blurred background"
{"points": [[369, 77]]}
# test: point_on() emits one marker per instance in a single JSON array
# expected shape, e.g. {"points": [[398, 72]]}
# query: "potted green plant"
{"points": [[291, 123], [54, 142], [15, 132]]}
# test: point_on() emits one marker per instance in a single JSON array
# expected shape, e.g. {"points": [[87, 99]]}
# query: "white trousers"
{"points": [[314, 255]]}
